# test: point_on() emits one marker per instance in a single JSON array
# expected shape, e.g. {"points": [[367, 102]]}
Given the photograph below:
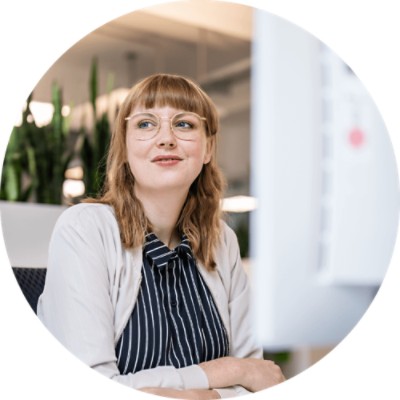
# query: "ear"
{"points": [[209, 149]]}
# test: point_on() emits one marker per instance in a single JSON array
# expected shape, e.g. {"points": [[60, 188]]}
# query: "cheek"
{"points": [[198, 154], [207, 156], [136, 149], [134, 154], [207, 151]]}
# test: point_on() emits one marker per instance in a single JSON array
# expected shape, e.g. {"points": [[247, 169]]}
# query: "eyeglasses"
{"points": [[184, 125]]}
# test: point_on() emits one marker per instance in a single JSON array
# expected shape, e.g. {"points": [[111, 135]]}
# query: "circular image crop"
{"points": [[199, 186]]}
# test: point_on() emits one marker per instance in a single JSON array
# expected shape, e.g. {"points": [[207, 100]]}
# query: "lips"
{"points": [[166, 158]]}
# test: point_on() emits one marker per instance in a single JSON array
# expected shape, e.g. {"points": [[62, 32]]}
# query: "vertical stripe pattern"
{"points": [[175, 320]]}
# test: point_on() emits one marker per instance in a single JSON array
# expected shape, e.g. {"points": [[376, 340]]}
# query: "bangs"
{"points": [[164, 90], [172, 91]]}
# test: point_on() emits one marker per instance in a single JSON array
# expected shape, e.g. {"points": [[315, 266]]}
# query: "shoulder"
{"points": [[87, 216], [88, 227], [227, 235], [227, 251], [229, 263], [83, 209]]}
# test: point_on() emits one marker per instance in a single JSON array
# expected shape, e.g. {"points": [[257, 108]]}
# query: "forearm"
{"points": [[251, 373], [222, 372], [189, 394], [192, 377]]}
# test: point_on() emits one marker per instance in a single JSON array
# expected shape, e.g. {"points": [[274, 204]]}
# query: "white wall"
{"points": [[27, 229]]}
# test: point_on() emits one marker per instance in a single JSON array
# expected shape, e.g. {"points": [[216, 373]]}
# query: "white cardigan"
{"points": [[91, 288]]}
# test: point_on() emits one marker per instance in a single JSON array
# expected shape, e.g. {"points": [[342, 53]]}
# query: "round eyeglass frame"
{"points": [[159, 119]]}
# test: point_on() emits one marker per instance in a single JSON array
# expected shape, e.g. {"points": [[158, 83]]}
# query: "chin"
{"points": [[164, 185]]}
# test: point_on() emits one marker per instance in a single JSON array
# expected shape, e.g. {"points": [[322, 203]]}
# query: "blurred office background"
{"points": [[312, 181]]}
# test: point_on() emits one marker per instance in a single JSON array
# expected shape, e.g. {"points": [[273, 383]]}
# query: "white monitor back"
{"points": [[325, 177]]}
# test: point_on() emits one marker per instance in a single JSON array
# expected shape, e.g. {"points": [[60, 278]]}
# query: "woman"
{"points": [[145, 284]]}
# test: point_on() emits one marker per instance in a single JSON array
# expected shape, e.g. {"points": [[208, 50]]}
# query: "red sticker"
{"points": [[356, 137]]}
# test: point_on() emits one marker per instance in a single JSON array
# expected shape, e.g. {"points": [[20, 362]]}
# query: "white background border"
{"points": [[365, 34]]}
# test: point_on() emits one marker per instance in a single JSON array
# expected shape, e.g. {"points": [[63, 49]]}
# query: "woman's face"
{"points": [[161, 159]]}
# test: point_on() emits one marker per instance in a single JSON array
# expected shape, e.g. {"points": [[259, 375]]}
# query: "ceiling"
{"points": [[209, 41]]}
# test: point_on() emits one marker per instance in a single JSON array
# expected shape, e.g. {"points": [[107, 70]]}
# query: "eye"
{"points": [[186, 122], [184, 125], [146, 124]]}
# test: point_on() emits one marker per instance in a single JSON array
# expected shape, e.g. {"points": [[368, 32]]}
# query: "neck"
{"points": [[163, 210]]}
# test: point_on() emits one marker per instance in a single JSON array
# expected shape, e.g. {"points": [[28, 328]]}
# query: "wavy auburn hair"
{"points": [[200, 216]]}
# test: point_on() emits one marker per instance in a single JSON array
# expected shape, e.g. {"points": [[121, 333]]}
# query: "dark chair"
{"points": [[31, 282]]}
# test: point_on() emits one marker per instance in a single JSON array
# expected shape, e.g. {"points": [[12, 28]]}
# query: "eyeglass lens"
{"points": [[185, 125]]}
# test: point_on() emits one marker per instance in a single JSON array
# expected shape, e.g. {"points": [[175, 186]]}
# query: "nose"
{"points": [[166, 137]]}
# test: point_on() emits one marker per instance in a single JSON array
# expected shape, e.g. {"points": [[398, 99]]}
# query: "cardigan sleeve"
{"points": [[76, 304], [243, 343]]}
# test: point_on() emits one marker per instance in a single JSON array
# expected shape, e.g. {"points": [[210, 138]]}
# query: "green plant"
{"points": [[14, 185], [37, 157], [95, 143], [53, 153]]}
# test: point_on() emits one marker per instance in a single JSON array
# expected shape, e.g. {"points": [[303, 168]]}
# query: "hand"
{"points": [[251, 373], [259, 374], [194, 394]]}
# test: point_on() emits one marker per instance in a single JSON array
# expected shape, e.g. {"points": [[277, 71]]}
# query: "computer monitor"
{"points": [[324, 175]]}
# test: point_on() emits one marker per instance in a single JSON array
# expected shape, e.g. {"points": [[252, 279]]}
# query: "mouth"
{"points": [[166, 158]]}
